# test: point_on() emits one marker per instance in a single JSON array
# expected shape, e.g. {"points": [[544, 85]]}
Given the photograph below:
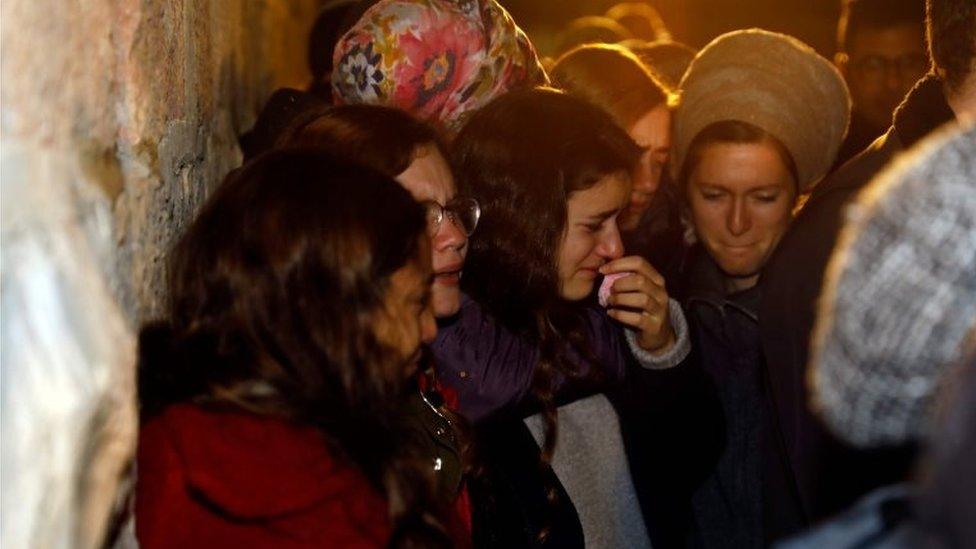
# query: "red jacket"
{"points": [[226, 479]]}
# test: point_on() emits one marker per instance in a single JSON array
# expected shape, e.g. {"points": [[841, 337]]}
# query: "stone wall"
{"points": [[117, 117]]}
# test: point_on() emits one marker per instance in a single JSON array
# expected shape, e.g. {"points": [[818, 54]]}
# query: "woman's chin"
{"points": [[579, 288], [446, 300]]}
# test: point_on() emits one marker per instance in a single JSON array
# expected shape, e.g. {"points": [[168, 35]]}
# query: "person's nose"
{"points": [[610, 246], [893, 78], [449, 235], [643, 178], [739, 221]]}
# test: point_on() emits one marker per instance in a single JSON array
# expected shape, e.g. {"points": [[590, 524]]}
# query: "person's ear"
{"points": [[841, 60]]}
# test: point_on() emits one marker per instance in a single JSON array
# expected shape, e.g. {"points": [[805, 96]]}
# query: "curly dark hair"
{"points": [[951, 32], [521, 157], [273, 292]]}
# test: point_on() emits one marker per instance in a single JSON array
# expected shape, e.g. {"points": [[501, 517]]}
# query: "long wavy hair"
{"points": [[274, 290], [387, 140], [522, 157]]}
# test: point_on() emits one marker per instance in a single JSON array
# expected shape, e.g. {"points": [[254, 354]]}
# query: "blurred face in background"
{"points": [[652, 132], [882, 66], [741, 197]]}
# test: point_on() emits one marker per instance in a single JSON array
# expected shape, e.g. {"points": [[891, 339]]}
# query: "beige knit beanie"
{"points": [[772, 81]]}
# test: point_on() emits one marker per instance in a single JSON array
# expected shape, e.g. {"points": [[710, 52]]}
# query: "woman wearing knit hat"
{"points": [[760, 121], [439, 60]]}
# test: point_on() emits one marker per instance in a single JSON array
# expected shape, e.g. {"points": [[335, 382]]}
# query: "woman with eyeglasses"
{"points": [[399, 146], [394, 143]]}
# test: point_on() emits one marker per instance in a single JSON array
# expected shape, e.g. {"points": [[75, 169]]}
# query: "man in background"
{"points": [[881, 53]]}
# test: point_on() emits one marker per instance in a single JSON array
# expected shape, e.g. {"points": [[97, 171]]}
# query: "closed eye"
{"points": [[767, 197]]}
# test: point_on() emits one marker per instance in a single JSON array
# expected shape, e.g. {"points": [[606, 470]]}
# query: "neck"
{"points": [[962, 100], [738, 284]]}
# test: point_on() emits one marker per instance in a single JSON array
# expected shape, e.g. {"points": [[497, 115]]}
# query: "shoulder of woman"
{"points": [[604, 335], [475, 336], [247, 465]]}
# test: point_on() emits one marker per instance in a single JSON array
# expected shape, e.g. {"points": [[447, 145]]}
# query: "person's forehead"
{"points": [[888, 41], [750, 165], [428, 177], [606, 192], [653, 129]]}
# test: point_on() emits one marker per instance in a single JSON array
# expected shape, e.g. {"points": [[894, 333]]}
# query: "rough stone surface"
{"points": [[117, 118]]}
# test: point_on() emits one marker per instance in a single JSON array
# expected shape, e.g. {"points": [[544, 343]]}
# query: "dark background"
{"points": [[694, 22]]}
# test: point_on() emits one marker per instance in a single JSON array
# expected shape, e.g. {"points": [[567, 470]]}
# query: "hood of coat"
{"points": [[924, 109], [706, 286]]}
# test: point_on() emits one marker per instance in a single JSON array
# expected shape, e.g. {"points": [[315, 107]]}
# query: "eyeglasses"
{"points": [[463, 212], [910, 66]]}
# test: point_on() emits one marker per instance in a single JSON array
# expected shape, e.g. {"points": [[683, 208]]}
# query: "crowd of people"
{"points": [[634, 295]]}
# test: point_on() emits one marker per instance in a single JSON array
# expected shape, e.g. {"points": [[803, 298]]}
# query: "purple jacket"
{"points": [[491, 368], [669, 416]]}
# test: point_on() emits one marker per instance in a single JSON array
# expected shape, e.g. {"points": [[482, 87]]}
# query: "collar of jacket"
{"points": [[706, 286], [924, 109]]}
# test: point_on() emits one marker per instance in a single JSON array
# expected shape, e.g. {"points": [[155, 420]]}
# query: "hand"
{"points": [[640, 301]]}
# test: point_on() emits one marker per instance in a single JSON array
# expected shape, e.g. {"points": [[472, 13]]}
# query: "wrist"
{"points": [[660, 347], [670, 354]]}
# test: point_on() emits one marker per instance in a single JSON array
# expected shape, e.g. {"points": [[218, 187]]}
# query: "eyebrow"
{"points": [[652, 148], [772, 187], [603, 214]]}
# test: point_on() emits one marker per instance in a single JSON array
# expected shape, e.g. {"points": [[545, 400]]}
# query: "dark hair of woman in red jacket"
{"points": [[298, 307]]}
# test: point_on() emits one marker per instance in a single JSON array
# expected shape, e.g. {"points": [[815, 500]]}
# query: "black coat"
{"points": [[745, 501], [860, 134], [828, 475]]}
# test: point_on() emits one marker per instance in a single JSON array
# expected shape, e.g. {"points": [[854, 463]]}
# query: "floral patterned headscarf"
{"points": [[436, 59]]}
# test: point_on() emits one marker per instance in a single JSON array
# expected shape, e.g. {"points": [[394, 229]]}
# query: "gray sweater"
{"points": [[591, 464]]}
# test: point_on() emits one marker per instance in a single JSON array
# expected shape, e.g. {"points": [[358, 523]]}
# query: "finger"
{"points": [[628, 318], [640, 284], [637, 300], [640, 321], [635, 264]]}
